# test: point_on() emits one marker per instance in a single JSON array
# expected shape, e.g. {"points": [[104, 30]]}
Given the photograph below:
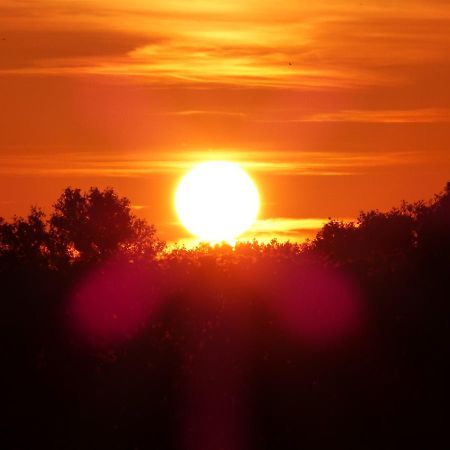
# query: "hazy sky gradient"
{"points": [[333, 106]]}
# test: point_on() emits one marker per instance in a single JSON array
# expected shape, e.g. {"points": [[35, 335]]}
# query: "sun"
{"points": [[217, 201]]}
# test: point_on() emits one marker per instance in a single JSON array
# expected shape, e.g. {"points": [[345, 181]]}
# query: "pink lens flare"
{"points": [[319, 306], [113, 303]]}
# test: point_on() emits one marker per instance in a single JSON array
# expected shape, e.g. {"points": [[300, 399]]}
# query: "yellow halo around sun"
{"points": [[217, 201]]}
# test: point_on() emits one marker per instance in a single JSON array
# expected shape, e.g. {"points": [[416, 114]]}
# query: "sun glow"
{"points": [[217, 201]]}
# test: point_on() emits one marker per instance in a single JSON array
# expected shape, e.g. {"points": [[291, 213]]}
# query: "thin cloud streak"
{"points": [[425, 115], [285, 225], [421, 115], [286, 229], [282, 229], [205, 112], [277, 163]]}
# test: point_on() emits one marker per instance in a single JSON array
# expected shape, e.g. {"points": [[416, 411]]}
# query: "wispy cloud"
{"points": [[245, 43], [286, 229], [203, 112], [265, 230], [424, 115], [278, 163], [286, 225]]}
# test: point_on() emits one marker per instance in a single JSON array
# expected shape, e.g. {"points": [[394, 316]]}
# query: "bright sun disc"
{"points": [[217, 201]]}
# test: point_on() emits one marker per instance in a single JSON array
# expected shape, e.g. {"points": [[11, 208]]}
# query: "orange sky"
{"points": [[333, 106]]}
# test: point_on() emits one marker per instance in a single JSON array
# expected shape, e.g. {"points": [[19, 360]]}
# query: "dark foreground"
{"points": [[110, 344]]}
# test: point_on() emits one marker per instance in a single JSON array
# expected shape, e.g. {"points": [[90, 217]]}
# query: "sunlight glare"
{"points": [[217, 201]]}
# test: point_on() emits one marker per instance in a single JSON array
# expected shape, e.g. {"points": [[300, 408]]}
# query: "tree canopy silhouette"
{"points": [[391, 240], [83, 228], [212, 317], [25, 241], [97, 224]]}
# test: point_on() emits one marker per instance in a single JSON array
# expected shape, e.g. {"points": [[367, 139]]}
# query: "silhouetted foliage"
{"points": [[24, 241], [98, 224], [115, 342], [84, 228], [390, 240]]}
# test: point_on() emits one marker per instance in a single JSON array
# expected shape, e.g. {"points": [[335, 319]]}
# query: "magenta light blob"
{"points": [[317, 305], [113, 303]]}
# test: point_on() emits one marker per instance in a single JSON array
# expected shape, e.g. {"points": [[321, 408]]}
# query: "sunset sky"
{"points": [[332, 106]]}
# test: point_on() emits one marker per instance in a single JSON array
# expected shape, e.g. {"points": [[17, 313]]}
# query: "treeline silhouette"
{"points": [[112, 341]]}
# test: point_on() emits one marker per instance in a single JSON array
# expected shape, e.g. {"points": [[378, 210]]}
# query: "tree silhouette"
{"points": [[83, 228], [216, 310], [95, 225], [391, 240], [25, 241], [433, 230]]}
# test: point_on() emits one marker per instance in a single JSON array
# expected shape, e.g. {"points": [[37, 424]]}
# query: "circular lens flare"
{"points": [[217, 201]]}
